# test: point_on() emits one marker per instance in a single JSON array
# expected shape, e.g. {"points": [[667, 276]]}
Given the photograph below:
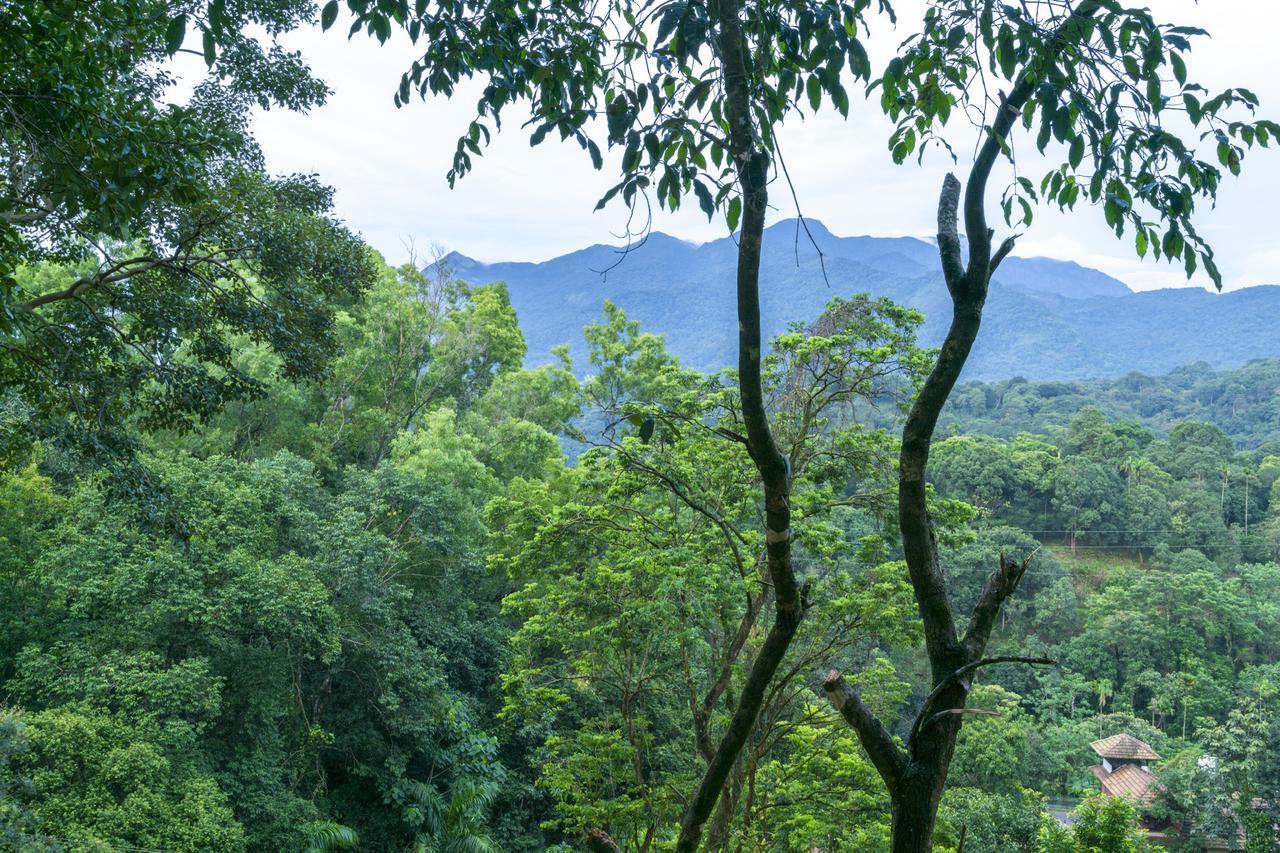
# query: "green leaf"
{"points": [[1111, 212], [210, 49], [1212, 268], [174, 34], [607, 197], [1189, 260], [329, 15], [652, 147], [734, 213], [1153, 93], [814, 88], [705, 201], [1194, 110], [669, 20], [1076, 154], [1141, 242], [1005, 53], [217, 16], [1027, 215], [840, 97]]}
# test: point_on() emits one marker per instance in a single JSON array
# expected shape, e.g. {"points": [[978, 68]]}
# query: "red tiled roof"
{"points": [[1124, 747], [1131, 782]]}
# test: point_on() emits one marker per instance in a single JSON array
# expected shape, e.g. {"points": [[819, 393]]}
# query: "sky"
{"points": [[525, 203]]}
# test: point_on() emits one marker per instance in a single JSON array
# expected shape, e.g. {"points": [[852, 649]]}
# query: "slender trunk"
{"points": [[752, 164], [916, 772], [718, 830]]}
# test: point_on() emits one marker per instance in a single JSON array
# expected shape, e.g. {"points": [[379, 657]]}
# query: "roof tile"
{"points": [[1124, 746]]}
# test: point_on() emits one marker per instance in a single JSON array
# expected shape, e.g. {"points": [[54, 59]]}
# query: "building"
{"points": [[1125, 772], [1125, 769]]}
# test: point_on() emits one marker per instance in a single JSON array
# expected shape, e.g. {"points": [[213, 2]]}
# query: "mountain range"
{"points": [[1044, 319]]}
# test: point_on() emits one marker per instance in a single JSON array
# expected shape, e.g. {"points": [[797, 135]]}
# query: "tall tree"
{"points": [[1070, 64], [139, 231], [639, 571], [692, 93]]}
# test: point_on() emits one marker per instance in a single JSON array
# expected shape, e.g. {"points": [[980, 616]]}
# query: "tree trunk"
{"points": [[915, 811], [752, 162], [718, 830], [915, 773]]}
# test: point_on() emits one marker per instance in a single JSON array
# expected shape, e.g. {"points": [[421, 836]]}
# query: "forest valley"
{"points": [[396, 609], [298, 553]]}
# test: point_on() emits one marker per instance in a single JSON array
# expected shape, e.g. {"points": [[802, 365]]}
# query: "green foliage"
{"points": [[267, 644], [20, 828], [637, 589], [94, 147], [825, 792], [1239, 403], [409, 622], [141, 237], [1094, 78], [326, 835], [992, 822], [1101, 824], [97, 780], [386, 613]]}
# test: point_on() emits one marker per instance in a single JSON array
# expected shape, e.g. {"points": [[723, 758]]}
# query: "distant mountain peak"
{"points": [[1046, 318], [812, 226]]}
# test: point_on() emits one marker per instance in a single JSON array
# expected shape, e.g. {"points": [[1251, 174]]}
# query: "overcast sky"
{"points": [[530, 204]]}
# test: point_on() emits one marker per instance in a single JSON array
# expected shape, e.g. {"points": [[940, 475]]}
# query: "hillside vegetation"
{"points": [[1244, 403], [393, 610], [293, 556]]}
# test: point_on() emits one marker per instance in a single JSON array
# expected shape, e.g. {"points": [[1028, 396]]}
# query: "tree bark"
{"points": [[751, 161], [916, 773], [914, 811], [598, 841]]}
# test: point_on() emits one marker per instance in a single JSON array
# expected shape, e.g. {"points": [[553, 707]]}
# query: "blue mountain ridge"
{"points": [[1044, 319]]}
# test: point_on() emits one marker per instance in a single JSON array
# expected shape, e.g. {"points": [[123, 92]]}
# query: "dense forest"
{"points": [[1243, 402], [393, 607], [298, 552]]}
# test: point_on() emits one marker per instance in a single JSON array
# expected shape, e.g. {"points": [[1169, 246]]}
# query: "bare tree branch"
{"points": [[888, 758]]}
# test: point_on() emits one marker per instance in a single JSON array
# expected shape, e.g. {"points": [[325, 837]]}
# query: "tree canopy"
{"points": [[141, 234]]}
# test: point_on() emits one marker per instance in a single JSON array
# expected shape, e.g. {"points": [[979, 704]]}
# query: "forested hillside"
{"points": [[1244, 403], [393, 609], [1046, 319]]}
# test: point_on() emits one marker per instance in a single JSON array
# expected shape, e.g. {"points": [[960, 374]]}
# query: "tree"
{"points": [[1064, 62], [638, 572], [686, 125], [139, 237], [98, 781], [1246, 768], [992, 822], [641, 68], [297, 658], [976, 469], [1086, 495], [1100, 823]]}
